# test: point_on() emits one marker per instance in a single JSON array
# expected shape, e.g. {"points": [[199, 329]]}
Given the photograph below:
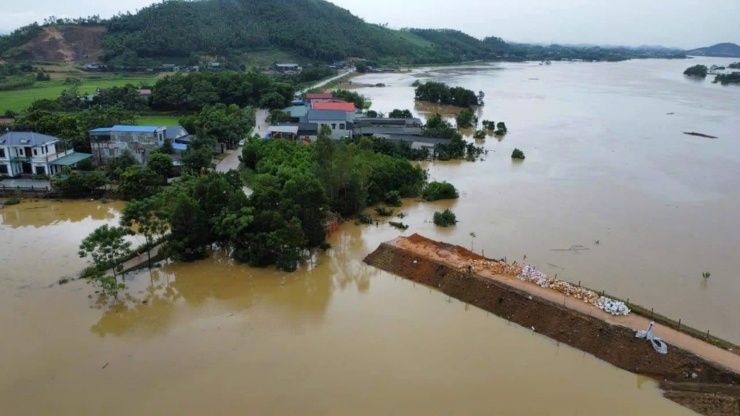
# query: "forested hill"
{"points": [[728, 50], [312, 30]]}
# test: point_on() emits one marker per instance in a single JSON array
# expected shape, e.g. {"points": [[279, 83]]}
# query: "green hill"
{"points": [[178, 31]]}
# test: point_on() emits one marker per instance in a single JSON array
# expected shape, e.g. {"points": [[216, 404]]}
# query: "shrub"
{"points": [[445, 218], [398, 225], [479, 134], [439, 190], [393, 198], [15, 199], [517, 154], [383, 211], [365, 219]]}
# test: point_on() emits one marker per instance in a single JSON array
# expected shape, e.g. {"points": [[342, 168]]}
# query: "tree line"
{"points": [[441, 93]]}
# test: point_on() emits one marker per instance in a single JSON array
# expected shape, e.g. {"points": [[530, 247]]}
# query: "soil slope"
{"points": [[71, 44], [710, 387]]}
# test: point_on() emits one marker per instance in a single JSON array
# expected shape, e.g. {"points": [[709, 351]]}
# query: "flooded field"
{"points": [[604, 162]]}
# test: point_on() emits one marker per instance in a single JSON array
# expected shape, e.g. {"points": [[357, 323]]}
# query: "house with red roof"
{"points": [[333, 105], [319, 96]]}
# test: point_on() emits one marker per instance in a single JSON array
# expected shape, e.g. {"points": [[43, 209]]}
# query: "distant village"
{"points": [[29, 153]]}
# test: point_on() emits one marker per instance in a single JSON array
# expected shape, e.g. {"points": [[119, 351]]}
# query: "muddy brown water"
{"points": [[340, 337]]}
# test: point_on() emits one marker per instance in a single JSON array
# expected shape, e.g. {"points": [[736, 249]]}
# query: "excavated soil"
{"points": [[688, 379], [71, 44]]}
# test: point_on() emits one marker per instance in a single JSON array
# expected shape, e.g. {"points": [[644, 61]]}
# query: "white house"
{"points": [[33, 153], [340, 122]]}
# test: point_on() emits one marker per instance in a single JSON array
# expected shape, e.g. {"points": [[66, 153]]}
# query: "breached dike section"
{"points": [[693, 373]]}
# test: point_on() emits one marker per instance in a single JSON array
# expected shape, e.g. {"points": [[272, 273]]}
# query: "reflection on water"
{"points": [[40, 213]]}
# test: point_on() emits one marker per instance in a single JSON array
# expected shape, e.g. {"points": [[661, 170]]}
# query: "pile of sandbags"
{"points": [[610, 306], [530, 274]]}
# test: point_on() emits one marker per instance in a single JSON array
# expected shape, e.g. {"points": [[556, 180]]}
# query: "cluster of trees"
{"points": [[435, 191], [445, 218], [400, 149], [43, 117], [195, 91], [526, 52], [455, 46], [18, 37], [699, 71], [220, 123], [441, 93], [727, 79], [352, 174], [396, 113], [456, 148], [351, 97]]}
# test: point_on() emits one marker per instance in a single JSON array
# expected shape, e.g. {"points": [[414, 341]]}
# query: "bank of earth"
{"points": [[694, 374]]}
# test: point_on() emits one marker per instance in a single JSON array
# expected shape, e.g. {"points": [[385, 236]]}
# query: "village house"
{"points": [[339, 121], [111, 142], [288, 68], [28, 153]]}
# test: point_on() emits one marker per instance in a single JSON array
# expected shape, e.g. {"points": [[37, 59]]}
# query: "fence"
{"points": [[35, 191]]}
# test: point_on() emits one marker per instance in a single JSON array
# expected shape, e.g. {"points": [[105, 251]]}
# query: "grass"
{"points": [[159, 120], [19, 100]]}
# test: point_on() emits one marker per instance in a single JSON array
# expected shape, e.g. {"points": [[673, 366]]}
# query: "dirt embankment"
{"points": [[687, 378], [71, 44]]}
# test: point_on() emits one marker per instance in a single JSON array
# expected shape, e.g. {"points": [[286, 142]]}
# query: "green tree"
{"points": [[197, 160], [466, 119], [138, 182], [161, 164], [144, 216], [107, 247], [396, 113], [190, 231]]}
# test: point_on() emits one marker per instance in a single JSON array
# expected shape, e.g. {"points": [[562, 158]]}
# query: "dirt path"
{"points": [[633, 322], [693, 373]]}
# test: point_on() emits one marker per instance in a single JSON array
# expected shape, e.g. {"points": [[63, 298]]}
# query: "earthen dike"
{"points": [[694, 373]]}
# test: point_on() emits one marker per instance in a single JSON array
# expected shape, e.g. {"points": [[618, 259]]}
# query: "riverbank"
{"points": [[695, 374]]}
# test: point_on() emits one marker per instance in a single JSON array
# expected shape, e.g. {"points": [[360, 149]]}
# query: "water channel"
{"points": [[604, 162]]}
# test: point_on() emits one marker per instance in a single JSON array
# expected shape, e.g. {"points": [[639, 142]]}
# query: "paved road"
{"points": [[326, 81], [261, 126]]}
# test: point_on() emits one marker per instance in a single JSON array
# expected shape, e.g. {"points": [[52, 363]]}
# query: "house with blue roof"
{"points": [[109, 142], [29, 153]]}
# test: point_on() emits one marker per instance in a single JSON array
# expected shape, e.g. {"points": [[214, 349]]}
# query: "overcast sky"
{"points": [[680, 23]]}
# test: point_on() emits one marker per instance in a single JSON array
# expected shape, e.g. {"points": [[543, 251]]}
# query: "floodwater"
{"points": [[340, 337], [607, 168]]}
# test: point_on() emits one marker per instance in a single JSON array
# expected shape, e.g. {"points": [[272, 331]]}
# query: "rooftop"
{"points": [[327, 115], [71, 159], [26, 138], [333, 106], [319, 96]]}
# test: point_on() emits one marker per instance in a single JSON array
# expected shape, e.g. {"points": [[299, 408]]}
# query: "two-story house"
{"points": [[113, 141], [340, 122], [33, 153]]}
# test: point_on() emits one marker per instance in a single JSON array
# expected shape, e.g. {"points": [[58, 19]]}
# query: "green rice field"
{"points": [[19, 100], [158, 120]]}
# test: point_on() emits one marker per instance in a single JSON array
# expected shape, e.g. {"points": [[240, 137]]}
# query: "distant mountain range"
{"points": [[720, 50]]}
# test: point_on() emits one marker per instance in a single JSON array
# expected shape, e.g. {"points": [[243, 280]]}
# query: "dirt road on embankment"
{"points": [[695, 374]]}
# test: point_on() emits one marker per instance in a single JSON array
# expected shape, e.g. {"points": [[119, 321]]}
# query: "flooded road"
{"points": [[339, 337]]}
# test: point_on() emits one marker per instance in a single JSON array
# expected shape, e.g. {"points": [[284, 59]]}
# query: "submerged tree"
{"points": [[107, 247]]}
